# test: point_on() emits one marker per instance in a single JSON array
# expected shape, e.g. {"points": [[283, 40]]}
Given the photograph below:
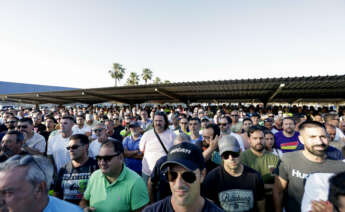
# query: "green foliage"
{"points": [[117, 73], [133, 79], [146, 75]]}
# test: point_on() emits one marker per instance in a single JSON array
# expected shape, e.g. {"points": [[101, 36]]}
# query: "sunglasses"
{"points": [[233, 155], [222, 124], [106, 158], [97, 130], [74, 147], [188, 177], [22, 126]]}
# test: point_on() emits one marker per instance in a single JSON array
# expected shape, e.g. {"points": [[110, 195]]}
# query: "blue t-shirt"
{"points": [[286, 144], [58, 205], [165, 205], [197, 141], [132, 145]]}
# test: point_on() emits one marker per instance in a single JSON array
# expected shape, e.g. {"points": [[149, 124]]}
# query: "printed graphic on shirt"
{"points": [[236, 200], [289, 145], [74, 185]]}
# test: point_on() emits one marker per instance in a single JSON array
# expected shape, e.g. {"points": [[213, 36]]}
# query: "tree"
{"points": [[133, 79], [146, 75], [117, 73], [166, 82], [157, 80]]}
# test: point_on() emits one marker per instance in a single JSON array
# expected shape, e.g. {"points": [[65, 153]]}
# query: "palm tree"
{"points": [[146, 75], [117, 73], [133, 79], [166, 81], [157, 80]]}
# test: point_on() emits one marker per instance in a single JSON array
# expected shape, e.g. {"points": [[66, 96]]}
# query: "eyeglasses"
{"points": [[10, 122], [226, 155], [98, 130], [233, 115], [222, 124], [25, 160], [188, 177], [106, 158], [183, 123], [73, 147], [22, 126]]}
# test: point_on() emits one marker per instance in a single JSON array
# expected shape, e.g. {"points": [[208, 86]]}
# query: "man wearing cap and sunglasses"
{"points": [[114, 187], [234, 186], [185, 171]]}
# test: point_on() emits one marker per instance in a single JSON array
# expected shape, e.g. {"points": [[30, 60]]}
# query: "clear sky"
{"points": [[73, 43]]}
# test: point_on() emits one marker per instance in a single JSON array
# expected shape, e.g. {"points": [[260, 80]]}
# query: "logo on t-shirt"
{"points": [[289, 145], [236, 200]]}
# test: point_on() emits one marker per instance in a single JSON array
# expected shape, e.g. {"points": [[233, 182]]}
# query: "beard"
{"points": [[259, 147], [315, 152]]}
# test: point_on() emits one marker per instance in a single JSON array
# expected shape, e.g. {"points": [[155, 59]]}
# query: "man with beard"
{"points": [[260, 160], [34, 142], [296, 166], [225, 129], [287, 140], [11, 144], [11, 124]]}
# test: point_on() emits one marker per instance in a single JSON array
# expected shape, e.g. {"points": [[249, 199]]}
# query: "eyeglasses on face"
{"points": [[226, 155], [106, 158], [22, 126], [188, 176], [222, 124], [98, 130], [73, 147]]}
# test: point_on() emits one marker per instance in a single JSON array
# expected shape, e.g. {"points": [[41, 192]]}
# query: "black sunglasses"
{"points": [[106, 158], [22, 126], [222, 124], [226, 155], [98, 130], [188, 176], [74, 147]]}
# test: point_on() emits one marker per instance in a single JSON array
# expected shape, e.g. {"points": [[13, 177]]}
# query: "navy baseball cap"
{"points": [[187, 155]]}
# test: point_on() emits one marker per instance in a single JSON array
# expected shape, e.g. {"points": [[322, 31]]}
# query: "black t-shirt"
{"points": [[71, 182], [3, 128], [165, 205], [160, 186], [117, 131], [234, 193]]}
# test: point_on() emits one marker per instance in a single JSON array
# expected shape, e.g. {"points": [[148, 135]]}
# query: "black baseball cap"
{"points": [[187, 155]]}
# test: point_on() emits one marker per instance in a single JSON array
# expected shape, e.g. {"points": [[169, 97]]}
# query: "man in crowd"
{"points": [[73, 176], [133, 156], [183, 123], [110, 130], [37, 122], [331, 131], [58, 142], [236, 125], [258, 159], [11, 124], [287, 140], [114, 187], [225, 126], [81, 127], [333, 119], [145, 122], [210, 136], [11, 144], [155, 143], [194, 128], [247, 123], [34, 142], [295, 167], [25, 182], [101, 136], [117, 127], [185, 171], [238, 187]]}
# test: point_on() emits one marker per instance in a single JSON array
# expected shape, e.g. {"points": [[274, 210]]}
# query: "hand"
{"points": [[89, 209], [321, 206]]}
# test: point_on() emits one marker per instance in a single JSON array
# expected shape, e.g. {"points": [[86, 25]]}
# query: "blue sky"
{"points": [[73, 43]]}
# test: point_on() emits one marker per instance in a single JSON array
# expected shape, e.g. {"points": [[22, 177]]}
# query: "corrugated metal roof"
{"points": [[313, 89]]}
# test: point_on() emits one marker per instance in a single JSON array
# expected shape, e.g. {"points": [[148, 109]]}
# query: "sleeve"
{"points": [[208, 188], [125, 143], [240, 142], [50, 145], [41, 145], [87, 193], [58, 182], [142, 143], [139, 194], [308, 195], [282, 170]]}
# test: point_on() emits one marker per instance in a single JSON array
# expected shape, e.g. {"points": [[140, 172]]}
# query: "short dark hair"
{"points": [[20, 135], [28, 120], [310, 123], [195, 119], [68, 117], [216, 129], [336, 189], [50, 117], [289, 118], [228, 119], [266, 132], [117, 145], [160, 113], [81, 137], [253, 129], [247, 119]]}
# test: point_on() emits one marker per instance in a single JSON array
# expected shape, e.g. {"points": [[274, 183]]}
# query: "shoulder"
{"points": [[56, 205], [162, 205], [215, 173], [209, 206]]}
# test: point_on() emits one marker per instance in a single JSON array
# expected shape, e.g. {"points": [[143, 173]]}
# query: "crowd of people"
{"points": [[173, 158]]}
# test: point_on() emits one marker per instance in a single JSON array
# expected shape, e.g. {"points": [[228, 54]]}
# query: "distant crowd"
{"points": [[173, 158]]}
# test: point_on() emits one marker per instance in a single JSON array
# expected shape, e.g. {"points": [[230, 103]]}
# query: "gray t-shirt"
{"points": [[295, 168]]}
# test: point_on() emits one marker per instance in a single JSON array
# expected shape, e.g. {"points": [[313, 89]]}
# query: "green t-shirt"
{"points": [[127, 193], [264, 164]]}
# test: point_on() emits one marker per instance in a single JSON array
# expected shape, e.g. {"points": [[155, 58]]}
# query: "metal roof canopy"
{"points": [[291, 89]]}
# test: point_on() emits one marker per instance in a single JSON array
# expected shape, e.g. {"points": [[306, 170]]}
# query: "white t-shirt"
{"points": [[77, 130], [57, 148], [240, 141], [339, 135], [316, 188], [94, 148], [37, 142], [152, 148]]}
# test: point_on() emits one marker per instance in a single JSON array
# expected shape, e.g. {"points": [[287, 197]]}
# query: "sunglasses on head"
{"points": [[188, 176], [233, 155], [106, 158], [74, 147]]}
